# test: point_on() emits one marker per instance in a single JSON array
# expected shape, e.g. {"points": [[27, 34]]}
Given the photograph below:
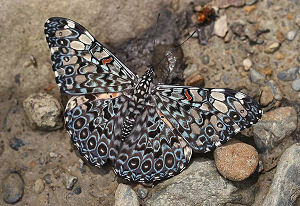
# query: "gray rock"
{"points": [[69, 181], [205, 59], [213, 189], [43, 111], [15, 143], [47, 179], [289, 75], [286, 183], [39, 186], [291, 35], [273, 127], [256, 77], [275, 90], [142, 193], [250, 2], [125, 196], [77, 190], [296, 85], [12, 188]]}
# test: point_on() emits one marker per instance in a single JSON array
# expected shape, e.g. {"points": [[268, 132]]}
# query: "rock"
{"points": [[270, 49], [12, 188], [250, 2], [15, 143], [205, 59], [220, 27], [238, 29], [203, 176], [39, 186], [53, 155], [47, 178], [296, 85], [247, 64], [125, 196], [279, 56], [43, 111], [236, 160], [274, 126], [286, 182], [142, 193], [291, 35], [249, 9], [289, 75], [69, 181], [77, 190], [227, 3], [256, 77], [266, 96], [195, 79], [275, 90]]}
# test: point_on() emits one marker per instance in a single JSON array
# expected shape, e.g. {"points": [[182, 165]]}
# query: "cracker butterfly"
{"points": [[147, 131]]}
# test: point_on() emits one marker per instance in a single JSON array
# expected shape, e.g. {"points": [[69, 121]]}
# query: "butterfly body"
{"points": [[147, 131]]}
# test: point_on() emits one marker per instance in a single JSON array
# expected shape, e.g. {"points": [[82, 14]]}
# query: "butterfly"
{"points": [[147, 131]]}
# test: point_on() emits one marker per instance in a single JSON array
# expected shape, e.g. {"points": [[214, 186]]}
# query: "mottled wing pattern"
{"points": [[152, 151], [81, 64], [206, 118], [93, 122]]}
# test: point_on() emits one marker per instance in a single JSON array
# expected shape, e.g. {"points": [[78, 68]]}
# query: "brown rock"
{"points": [[266, 71], [236, 160], [279, 56], [266, 96], [270, 49], [249, 9], [280, 37], [195, 79]]}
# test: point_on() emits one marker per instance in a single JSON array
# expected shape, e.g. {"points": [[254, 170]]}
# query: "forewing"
{"points": [[206, 118], [93, 123], [81, 64], [152, 151]]}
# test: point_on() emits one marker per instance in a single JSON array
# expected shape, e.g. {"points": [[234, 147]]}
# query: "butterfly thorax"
{"points": [[137, 102]]}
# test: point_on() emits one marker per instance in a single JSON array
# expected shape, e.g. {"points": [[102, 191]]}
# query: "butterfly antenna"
{"points": [[175, 48]]}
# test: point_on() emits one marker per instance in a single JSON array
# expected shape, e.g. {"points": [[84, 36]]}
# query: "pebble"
{"points": [[275, 90], [39, 186], [195, 79], [47, 178], [77, 190], [266, 96], [220, 27], [273, 127], [15, 143], [289, 75], [250, 2], [43, 111], [69, 181], [12, 188], [125, 196], [291, 35], [296, 85], [142, 193], [227, 3], [270, 49], [247, 64], [53, 155], [238, 29], [256, 77], [205, 59], [286, 182], [236, 160]]}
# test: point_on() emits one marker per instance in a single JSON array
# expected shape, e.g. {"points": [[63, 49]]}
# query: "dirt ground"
{"points": [[26, 69]]}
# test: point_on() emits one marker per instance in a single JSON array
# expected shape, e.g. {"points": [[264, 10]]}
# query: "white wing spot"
{"points": [[240, 95], [220, 106], [77, 45], [218, 96], [71, 24]]}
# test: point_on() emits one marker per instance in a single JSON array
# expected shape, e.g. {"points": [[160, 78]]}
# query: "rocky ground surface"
{"points": [[250, 45]]}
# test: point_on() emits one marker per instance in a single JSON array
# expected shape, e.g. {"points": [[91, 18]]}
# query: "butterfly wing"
{"points": [[81, 64], [93, 121], [206, 118], [152, 151]]}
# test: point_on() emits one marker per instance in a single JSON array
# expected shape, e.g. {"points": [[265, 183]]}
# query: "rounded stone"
{"points": [[43, 111], [247, 64], [291, 35], [266, 96], [272, 48], [296, 85], [39, 186], [236, 160], [12, 188], [77, 190]]}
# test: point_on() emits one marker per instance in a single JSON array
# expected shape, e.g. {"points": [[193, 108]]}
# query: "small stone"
{"points": [[53, 155], [47, 178], [275, 90], [43, 111], [273, 127], [69, 181], [280, 36], [249, 9], [227, 3], [142, 193], [125, 196], [289, 75], [286, 182], [81, 166], [266, 96], [15, 143], [238, 29], [296, 85], [279, 56], [247, 64], [220, 27], [12, 188], [256, 77], [291, 35], [195, 79], [77, 190], [272, 48], [236, 160], [205, 59], [39, 186], [250, 2], [266, 71]]}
